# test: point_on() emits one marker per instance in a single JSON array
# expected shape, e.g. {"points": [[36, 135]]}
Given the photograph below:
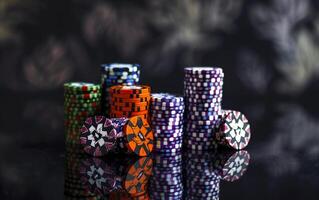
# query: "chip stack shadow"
{"points": [[117, 74], [80, 101], [203, 91], [167, 112]]}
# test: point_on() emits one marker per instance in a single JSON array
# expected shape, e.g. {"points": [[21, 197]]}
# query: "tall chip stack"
{"points": [[167, 180], [203, 91], [117, 74], [80, 101], [167, 122], [129, 101]]}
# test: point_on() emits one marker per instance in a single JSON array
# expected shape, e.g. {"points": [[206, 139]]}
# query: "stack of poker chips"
{"points": [[166, 182], [234, 130], [128, 101], [80, 101], [119, 175], [117, 74], [167, 122], [100, 135], [201, 180], [74, 188], [203, 91]]}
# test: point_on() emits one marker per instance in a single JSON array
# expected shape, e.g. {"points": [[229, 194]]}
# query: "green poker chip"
{"points": [[80, 87], [82, 101], [82, 96], [82, 105]]}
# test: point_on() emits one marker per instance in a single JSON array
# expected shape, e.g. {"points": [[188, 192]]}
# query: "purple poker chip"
{"points": [[158, 146], [169, 105], [203, 98], [158, 115], [165, 97], [166, 134], [215, 108], [167, 128], [202, 105], [203, 70], [192, 92], [98, 136], [167, 112], [199, 146], [203, 101], [164, 122], [211, 85], [211, 79], [154, 108]]}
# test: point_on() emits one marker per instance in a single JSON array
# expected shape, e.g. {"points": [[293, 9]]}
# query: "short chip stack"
{"points": [[80, 101], [167, 122], [203, 91], [117, 74], [100, 136], [129, 101], [201, 180], [166, 182]]}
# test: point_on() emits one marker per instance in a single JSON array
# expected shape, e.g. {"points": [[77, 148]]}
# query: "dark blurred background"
{"points": [[269, 51]]}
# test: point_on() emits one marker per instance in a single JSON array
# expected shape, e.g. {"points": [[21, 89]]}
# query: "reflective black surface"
{"points": [[283, 150]]}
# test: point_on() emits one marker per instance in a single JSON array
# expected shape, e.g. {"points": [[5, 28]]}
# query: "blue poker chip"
{"points": [[159, 146], [157, 115], [167, 112], [213, 93], [169, 105], [212, 85], [157, 122], [167, 128], [216, 108], [119, 67], [155, 108]]}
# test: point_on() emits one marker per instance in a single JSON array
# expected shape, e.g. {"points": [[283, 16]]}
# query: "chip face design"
{"points": [[235, 130], [139, 136], [98, 135]]}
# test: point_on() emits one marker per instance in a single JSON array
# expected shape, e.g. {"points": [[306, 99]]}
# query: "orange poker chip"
{"points": [[129, 100], [138, 176], [139, 136], [131, 96], [134, 89], [130, 104], [129, 113], [130, 109]]}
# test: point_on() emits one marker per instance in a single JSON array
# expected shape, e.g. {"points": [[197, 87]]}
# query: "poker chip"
{"points": [[139, 136], [81, 100], [129, 101], [232, 165], [98, 136], [117, 74], [234, 130]]}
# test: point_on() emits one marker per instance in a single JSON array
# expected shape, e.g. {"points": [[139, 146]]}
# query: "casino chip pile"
{"points": [[117, 74], [80, 101], [100, 136], [234, 131], [167, 122], [166, 182], [118, 175], [203, 92], [129, 101], [201, 181]]}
